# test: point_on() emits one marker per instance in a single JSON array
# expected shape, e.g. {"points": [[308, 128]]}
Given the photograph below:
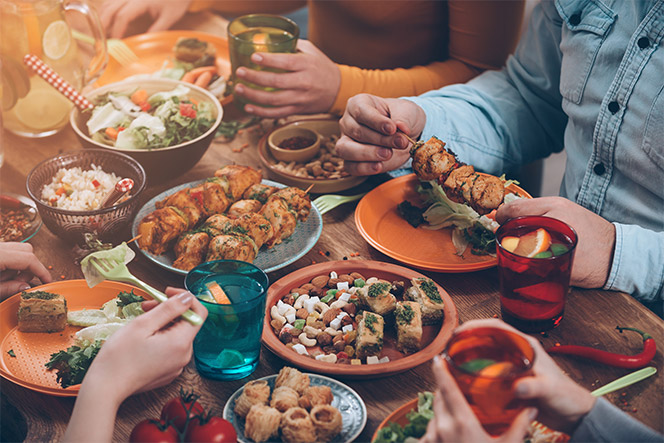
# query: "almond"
{"points": [[320, 281], [330, 315], [307, 287], [357, 275], [347, 278], [332, 283], [302, 313]]}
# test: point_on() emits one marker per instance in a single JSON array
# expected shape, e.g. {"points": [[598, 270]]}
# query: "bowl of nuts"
{"points": [[325, 170]]}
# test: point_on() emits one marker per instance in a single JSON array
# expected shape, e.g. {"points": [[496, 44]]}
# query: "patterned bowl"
{"points": [[72, 225]]}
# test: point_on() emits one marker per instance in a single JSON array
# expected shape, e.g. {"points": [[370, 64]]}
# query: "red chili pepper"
{"points": [[95, 183], [187, 110], [609, 358]]}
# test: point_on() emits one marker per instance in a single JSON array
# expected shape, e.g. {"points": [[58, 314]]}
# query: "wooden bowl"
{"points": [[434, 337]]}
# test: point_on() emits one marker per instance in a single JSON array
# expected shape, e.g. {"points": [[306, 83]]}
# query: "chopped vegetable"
{"points": [[359, 283], [126, 298], [139, 97], [111, 133], [11, 353], [327, 298], [71, 365], [299, 323], [417, 426]]}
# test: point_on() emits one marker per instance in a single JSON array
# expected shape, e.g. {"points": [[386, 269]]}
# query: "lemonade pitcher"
{"points": [[30, 106]]}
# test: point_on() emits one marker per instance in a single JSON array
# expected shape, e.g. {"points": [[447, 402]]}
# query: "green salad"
{"points": [[418, 420], [142, 121]]}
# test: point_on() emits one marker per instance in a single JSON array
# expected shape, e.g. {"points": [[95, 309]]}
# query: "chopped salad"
{"points": [[142, 121]]}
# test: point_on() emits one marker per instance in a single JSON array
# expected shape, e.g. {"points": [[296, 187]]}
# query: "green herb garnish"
{"points": [[405, 314], [41, 295], [431, 291], [126, 298], [72, 364], [11, 353], [377, 289]]}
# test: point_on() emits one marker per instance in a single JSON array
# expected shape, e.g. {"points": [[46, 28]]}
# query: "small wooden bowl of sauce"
{"points": [[292, 143]]}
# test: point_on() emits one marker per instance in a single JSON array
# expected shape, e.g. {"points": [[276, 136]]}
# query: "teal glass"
{"points": [[228, 345]]}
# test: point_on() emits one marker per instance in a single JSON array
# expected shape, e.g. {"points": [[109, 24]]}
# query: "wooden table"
{"points": [[590, 318]]}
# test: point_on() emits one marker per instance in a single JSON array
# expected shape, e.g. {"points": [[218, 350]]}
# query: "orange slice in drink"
{"points": [[218, 293], [261, 41], [486, 388], [509, 243], [533, 243]]}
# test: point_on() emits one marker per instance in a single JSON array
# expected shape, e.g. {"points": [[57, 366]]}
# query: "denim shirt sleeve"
{"points": [[606, 423], [638, 263], [476, 119]]}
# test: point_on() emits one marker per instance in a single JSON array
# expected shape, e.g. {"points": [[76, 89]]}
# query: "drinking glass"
{"points": [[533, 290], [228, 345], [485, 362], [32, 107], [258, 33]]}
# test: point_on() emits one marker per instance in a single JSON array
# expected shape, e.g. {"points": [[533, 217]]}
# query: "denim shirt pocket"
{"points": [[585, 25], [653, 135]]}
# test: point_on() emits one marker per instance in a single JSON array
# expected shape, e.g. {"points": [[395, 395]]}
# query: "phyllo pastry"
{"points": [[377, 297], [369, 335], [41, 311], [255, 392], [425, 292], [408, 317], [296, 426], [316, 395], [292, 378], [284, 398], [327, 421], [262, 423]]}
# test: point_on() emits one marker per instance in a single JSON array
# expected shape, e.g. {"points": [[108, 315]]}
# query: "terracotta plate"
{"points": [[434, 337], [379, 222], [155, 48], [33, 349], [346, 400], [325, 127], [290, 250], [397, 416]]}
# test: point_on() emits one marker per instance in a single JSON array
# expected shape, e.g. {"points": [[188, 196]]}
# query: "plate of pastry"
{"points": [[357, 318], [34, 326], [296, 406], [234, 215]]}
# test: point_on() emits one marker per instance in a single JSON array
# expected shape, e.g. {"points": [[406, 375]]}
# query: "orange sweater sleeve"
{"points": [[481, 36], [235, 7]]}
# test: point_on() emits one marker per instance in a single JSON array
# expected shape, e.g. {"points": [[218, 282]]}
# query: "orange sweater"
{"points": [[400, 48]]}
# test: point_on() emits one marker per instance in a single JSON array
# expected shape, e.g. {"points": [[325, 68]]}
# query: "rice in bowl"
{"points": [[75, 189]]}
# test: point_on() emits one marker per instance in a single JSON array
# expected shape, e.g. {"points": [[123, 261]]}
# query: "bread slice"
{"points": [[41, 311]]}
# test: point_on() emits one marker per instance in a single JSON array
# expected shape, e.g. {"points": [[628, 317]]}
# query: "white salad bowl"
{"points": [[164, 163]]}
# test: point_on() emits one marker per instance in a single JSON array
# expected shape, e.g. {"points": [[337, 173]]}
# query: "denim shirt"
{"points": [[587, 76]]}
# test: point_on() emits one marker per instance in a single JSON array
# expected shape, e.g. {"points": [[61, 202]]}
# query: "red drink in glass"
{"points": [[533, 289], [485, 362]]}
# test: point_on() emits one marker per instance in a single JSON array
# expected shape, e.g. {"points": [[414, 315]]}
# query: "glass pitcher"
{"points": [[30, 106]]}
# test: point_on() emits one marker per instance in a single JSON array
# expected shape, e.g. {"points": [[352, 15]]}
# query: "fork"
{"points": [[326, 203], [117, 271], [116, 48]]}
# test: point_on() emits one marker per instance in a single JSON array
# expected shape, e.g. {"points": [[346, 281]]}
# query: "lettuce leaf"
{"points": [[122, 253]]}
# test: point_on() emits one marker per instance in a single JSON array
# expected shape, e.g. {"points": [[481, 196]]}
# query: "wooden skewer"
{"points": [[135, 238], [309, 188], [407, 137]]}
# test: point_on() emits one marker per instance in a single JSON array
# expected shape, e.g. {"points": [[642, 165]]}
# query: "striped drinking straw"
{"points": [[54, 79]]}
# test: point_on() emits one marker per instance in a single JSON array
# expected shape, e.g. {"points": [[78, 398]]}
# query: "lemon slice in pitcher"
{"points": [[56, 40], [43, 108]]}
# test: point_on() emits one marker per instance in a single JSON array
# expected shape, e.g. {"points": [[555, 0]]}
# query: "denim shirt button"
{"points": [[599, 169], [643, 42], [614, 107], [575, 19]]}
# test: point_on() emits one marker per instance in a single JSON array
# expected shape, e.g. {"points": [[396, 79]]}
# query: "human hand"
{"points": [[150, 351], [370, 140], [561, 403], [116, 15], [19, 265], [597, 236], [310, 86], [454, 420]]}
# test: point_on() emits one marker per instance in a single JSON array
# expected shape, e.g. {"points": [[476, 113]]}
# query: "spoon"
{"points": [[122, 187], [625, 381]]}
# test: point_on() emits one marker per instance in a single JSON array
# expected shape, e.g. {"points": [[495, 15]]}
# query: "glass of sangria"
{"points": [[258, 33], [535, 256], [486, 362]]}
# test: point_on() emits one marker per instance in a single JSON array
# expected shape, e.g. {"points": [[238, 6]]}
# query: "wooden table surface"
{"points": [[590, 315]]}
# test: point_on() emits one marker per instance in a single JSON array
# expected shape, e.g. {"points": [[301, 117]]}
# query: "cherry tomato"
{"points": [[154, 431], [187, 110], [179, 408], [211, 429]]}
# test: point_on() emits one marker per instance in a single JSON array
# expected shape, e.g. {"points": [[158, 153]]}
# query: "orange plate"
{"points": [[434, 337], [153, 49], [397, 416], [34, 349], [379, 222]]}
